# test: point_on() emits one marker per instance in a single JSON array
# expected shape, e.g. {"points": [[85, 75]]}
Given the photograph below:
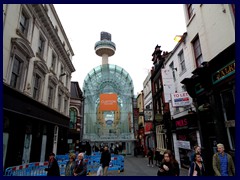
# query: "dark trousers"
{"points": [[150, 160]]}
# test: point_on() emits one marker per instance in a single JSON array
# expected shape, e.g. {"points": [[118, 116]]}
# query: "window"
{"points": [[50, 96], [197, 52], [67, 80], [23, 24], [36, 88], [41, 43], [16, 70], [59, 101], [190, 10], [73, 118], [53, 64], [173, 72], [65, 106], [161, 139], [182, 62], [61, 73]]}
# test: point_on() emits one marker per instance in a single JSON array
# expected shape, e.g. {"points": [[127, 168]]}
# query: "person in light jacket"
{"points": [[222, 162]]}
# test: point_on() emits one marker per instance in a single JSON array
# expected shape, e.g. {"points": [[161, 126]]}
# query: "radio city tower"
{"points": [[105, 47]]}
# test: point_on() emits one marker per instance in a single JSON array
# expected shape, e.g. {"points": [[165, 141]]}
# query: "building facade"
{"points": [[76, 118], [161, 112], [37, 71], [148, 112], [184, 126], [211, 49]]}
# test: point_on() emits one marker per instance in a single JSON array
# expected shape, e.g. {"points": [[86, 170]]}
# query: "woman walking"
{"points": [[197, 167], [169, 165], [70, 165]]}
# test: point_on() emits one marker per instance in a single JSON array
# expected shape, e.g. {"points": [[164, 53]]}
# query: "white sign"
{"points": [[181, 99], [183, 144], [168, 84]]}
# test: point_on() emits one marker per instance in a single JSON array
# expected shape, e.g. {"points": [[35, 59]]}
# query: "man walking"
{"points": [[105, 160], [223, 164]]}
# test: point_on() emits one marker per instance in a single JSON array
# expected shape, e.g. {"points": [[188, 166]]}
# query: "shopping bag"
{"points": [[100, 171]]}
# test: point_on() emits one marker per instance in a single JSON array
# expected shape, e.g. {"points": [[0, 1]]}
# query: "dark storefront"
{"points": [[186, 130], [26, 124], [213, 89]]}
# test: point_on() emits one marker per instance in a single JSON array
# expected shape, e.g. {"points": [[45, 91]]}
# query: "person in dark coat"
{"points": [[169, 165], [150, 156], [53, 168], [81, 166], [105, 160]]}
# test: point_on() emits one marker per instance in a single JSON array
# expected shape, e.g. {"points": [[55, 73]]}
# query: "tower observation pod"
{"points": [[105, 47]]}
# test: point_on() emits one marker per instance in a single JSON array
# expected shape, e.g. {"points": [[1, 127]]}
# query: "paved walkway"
{"points": [[137, 166]]}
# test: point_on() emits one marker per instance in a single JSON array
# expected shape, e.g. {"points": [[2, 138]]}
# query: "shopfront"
{"points": [[185, 137], [213, 88]]}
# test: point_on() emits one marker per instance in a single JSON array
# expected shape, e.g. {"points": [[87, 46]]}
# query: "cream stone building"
{"points": [[37, 68]]}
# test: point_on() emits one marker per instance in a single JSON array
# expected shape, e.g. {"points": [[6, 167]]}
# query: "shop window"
{"points": [[228, 107], [161, 139], [73, 118]]}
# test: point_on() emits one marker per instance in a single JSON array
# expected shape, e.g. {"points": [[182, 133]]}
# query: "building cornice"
{"points": [[47, 24]]}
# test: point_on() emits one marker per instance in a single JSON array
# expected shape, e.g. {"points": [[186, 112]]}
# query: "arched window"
{"points": [[73, 118]]}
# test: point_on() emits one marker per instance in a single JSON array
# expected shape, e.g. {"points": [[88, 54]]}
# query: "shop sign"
{"points": [[223, 73], [181, 99], [158, 117], [108, 102], [148, 127], [148, 115], [183, 144], [181, 123]]}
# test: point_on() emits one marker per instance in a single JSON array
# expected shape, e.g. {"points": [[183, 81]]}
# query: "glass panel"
{"points": [[113, 125]]}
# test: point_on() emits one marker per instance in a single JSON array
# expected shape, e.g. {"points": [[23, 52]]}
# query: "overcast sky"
{"points": [[135, 28]]}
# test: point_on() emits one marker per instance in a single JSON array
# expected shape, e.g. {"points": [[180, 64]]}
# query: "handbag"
{"points": [[100, 171], [194, 171]]}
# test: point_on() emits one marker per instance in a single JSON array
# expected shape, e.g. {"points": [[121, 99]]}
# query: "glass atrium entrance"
{"points": [[108, 106]]}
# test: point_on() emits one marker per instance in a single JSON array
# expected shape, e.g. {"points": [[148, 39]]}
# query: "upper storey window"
{"points": [[197, 52], [23, 24], [190, 10], [41, 44], [16, 72]]}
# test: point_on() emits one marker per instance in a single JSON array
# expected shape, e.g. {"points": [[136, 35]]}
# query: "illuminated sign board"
{"points": [[108, 102], [223, 73]]}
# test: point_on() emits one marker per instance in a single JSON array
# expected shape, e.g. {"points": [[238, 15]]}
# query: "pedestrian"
{"points": [[169, 165], [80, 168], [105, 160], [197, 167], [150, 156], [196, 149], [222, 162], [53, 168], [69, 170], [157, 157], [135, 151]]}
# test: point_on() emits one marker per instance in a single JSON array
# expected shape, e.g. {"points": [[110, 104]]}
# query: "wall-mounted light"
{"points": [[178, 38]]}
